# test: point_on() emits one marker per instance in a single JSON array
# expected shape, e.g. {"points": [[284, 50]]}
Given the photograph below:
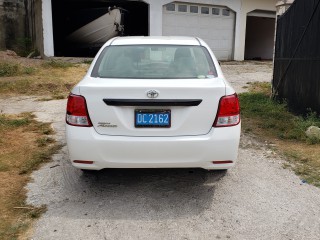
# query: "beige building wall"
{"points": [[240, 7], [283, 5], [241, 22]]}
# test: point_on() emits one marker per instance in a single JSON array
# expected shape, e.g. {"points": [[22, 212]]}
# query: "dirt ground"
{"points": [[241, 73], [257, 199]]}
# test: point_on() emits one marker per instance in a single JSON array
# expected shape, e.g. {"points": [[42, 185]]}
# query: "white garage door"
{"points": [[215, 25]]}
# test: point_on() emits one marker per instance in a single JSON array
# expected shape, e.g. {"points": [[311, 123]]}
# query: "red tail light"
{"points": [[228, 112], [77, 112]]}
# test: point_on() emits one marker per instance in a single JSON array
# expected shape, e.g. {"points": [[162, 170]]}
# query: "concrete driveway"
{"points": [[257, 199]]}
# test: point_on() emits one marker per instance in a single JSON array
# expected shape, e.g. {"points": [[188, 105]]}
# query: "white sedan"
{"points": [[153, 102]]}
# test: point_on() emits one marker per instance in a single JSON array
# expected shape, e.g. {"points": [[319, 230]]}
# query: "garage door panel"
{"points": [[227, 23], [216, 30], [205, 21]]}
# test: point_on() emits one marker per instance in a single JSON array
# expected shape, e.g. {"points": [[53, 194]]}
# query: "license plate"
{"points": [[152, 118]]}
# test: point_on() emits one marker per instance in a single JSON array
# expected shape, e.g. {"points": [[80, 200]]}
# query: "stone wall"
{"points": [[21, 27], [13, 30], [34, 24]]}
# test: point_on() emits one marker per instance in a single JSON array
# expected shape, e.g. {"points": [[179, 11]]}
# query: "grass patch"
{"points": [[87, 61], [50, 80], [54, 97], [24, 145], [29, 70], [38, 157], [19, 121], [57, 64], [9, 69], [270, 120]]}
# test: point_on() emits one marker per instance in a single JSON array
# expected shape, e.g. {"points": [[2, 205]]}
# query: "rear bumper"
{"points": [[106, 151]]}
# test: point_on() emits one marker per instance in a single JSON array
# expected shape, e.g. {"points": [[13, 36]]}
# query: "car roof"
{"points": [[165, 40]]}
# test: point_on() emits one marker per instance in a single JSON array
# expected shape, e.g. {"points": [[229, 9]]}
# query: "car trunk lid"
{"points": [[113, 103]]}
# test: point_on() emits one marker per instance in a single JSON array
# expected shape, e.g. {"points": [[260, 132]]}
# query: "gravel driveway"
{"points": [[257, 199]]}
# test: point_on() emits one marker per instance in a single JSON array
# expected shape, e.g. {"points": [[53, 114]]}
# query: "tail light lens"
{"points": [[228, 112], [77, 112]]}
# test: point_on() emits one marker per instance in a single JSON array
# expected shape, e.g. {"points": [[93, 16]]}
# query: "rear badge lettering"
{"points": [[106, 124]]}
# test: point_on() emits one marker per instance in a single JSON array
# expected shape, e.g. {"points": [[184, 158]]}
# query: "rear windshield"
{"points": [[154, 62]]}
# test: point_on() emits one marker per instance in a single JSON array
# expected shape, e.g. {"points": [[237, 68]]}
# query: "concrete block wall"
{"points": [[20, 21], [12, 23]]}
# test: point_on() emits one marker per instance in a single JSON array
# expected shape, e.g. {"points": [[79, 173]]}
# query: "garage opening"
{"points": [[260, 35], [70, 16]]}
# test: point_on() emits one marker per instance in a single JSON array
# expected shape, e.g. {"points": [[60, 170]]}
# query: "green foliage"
{"points": [[8, 69], [270, 119], [29, 70], [44, 141], [24, 47], [274, 116], [38, 158], [25, 144], [20, 86], [23, 120]]}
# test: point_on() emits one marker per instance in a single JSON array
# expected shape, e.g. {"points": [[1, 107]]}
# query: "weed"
{"points": [[274, 116], [44, 141], [57, 64], [58, 96], [51, 80], [286, 165], [26, 146], [87, 61], [260, 87], [47, 131], [22, 120], [29, 70], [8, 69], [35, 213], [24, 46], [313, 140], [39, 157], [54, 97], [271, 120]]}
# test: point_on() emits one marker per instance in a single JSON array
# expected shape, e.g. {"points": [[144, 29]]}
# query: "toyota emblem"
{"points": [[152, 94]]}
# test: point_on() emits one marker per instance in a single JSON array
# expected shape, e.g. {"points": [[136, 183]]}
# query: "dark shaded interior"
{"points": [[69, 15], [259, 38]]}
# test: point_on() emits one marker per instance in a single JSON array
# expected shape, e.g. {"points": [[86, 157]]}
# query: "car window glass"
{"points": [[154, 62]]}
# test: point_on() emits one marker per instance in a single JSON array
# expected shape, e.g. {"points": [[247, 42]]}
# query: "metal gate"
{"points": [[296, 76]]}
